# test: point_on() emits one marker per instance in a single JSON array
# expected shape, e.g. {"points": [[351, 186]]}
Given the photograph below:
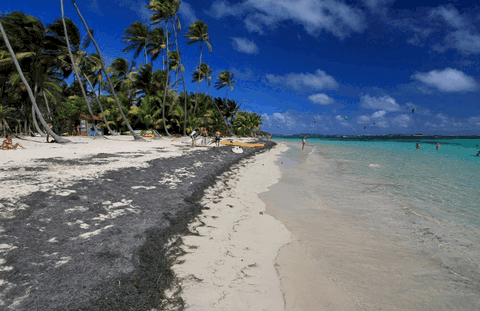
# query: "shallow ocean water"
{"points": [[428, 200]]}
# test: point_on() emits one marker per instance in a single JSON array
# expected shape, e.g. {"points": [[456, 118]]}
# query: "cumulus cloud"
{"points": [[321, 98], [332, 16], [385, 102], [363, 119], [447, 80], [244, 45], [378, 114], [450, 15], [320, 80], [187, 13], [403, 120], [465, 41], [383, 124]]}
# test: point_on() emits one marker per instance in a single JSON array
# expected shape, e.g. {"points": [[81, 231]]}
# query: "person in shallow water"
{"points": [[418, 146], [304, 140], [438, 146]]}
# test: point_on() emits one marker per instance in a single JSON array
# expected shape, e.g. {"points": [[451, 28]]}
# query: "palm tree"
{"points": [[136, 35], [29, 90], [75, 69], [163, 12], [156, 45], [147, 112], [198, 32], [225, 79], [135, 135]]}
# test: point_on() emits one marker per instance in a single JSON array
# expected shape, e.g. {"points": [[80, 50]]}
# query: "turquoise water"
{"points": [[444, 183]]}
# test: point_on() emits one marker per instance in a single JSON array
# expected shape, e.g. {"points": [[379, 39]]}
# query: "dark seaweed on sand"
{"points": [[127, 265]]}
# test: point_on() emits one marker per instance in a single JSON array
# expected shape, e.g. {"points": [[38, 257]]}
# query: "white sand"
{"points": [[235, 253], [134, 154], [231, 265]]}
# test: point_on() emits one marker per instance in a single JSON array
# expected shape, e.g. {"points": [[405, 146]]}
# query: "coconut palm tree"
{"points": [[136, 36], [156, 45], [225, 79], [29, 90], [104, 68], [75, 69], [198, 32], [163, 11]]}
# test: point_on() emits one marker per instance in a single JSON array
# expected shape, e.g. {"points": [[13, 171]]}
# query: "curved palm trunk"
{"points": [[198, 81], [75, 71], [166, 87], [110, 85], [183, 80], [100, 105], [57, 138], [219, 111], [34, 117], [48, 106]]}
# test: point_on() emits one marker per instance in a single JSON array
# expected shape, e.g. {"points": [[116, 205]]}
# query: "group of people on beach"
{"points": [[203, 132]]}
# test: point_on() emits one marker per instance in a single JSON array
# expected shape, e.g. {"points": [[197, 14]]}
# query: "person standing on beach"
{"points": [[205, 136], [192, 136], [218, 135], [438, 146], [418, 146], [304, 140]]}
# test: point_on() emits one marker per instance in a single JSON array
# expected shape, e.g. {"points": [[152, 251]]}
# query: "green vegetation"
{"points": [[125, 96]]}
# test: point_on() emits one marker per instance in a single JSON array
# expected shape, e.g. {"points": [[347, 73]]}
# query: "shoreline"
{"points": [[97, 230]]}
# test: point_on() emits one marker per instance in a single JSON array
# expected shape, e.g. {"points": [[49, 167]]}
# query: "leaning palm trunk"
{"points": [[222, 115], [75, 71], [34, 118], [100, 105], [48, 106], [110, 85], [57, 138], [166, 86]]}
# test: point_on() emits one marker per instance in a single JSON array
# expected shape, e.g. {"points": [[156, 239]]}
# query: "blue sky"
{"points": [[305, 64]]}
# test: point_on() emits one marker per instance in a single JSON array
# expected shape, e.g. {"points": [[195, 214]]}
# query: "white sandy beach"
{"points": [[230, 265]]}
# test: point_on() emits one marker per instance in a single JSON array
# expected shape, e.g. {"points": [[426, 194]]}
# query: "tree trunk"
{"points": [[29, 90], [101, 108], [135, 135], [48, 106], [166, 86], [183, 79], [33, 115], [75, 71], [198, 81]]}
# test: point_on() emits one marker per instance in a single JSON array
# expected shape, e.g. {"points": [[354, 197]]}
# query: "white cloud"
{"points": [[403, 120], [305, 81], [447, 80], [474, 120], [385, 102], [187, 12], [280, 116], [94, 7], [244, 45], [464, 41], [321, 99], [450, 15], [332, 16], [363, 119], [383, 124], [378, 114]]}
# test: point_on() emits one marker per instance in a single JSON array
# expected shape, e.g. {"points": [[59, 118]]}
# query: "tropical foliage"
{"points": [[49, 56]]}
